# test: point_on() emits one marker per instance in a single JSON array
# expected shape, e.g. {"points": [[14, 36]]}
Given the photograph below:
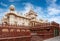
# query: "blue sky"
{"points": [[46, 9]]}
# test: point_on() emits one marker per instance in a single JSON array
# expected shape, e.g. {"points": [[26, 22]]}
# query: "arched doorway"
{"points": [[56, 32]]}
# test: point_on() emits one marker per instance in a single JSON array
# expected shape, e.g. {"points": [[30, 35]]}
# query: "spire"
{"points": [[12, 7], [31, 12], [31, 9]]}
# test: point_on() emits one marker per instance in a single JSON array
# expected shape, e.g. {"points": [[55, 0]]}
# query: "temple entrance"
{"points": [[56, 32], [35, 36]]}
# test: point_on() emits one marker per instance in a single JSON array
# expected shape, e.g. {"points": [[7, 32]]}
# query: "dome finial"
{"points": [[12, 7]]}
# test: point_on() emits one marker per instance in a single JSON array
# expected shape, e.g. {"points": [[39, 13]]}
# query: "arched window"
{"points": [[18, 30], [5, 30], [11, 30]]}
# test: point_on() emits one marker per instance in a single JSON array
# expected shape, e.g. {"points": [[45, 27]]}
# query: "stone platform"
{"points": [[53, 39]]}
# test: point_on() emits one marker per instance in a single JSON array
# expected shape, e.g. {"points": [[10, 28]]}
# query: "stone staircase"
{"points": [[36, 38]]}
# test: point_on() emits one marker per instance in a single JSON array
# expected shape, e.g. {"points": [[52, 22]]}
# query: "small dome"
{"points": [[12, 7]]}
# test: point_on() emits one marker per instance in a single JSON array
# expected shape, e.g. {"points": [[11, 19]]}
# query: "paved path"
{"points": [[54, 39]]}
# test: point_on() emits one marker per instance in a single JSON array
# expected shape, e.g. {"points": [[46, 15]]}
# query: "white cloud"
{"points": [[2, 12], [53, 8], [39, 12], [51, 2], [3, 4], [13, 0], [27, 7], [56, 19], [1, 9], [53, 11]]}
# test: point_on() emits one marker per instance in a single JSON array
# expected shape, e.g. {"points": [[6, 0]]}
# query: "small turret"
{"points": [[31, 14], [12, 8]]}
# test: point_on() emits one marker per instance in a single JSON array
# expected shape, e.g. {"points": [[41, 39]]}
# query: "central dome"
{"points": [[12, 7]]}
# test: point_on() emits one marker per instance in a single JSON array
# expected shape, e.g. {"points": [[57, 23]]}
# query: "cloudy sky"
{"points": [[46, 9]]}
